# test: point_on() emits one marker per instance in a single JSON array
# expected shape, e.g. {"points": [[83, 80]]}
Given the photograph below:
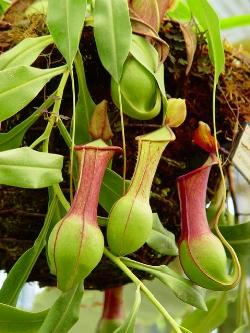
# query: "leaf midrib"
{"points": [[27, 83]]}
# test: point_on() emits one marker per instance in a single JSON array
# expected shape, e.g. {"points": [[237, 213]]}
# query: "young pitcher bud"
{"points": [[76, 243], [202, 254], [130, 220], [204, 139], [176, 112], [140, 94]]}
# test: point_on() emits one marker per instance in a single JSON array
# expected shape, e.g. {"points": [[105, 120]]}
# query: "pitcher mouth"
{"points": [[88, 147], [212, 160]]}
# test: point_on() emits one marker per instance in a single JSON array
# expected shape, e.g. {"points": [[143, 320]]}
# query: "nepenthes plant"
{"points": [[106, 111]]}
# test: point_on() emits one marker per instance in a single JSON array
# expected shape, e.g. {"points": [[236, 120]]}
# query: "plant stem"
{"points": [[44, 137], [123, 140], [61, 197], [146, 291], [73, 127], [247, 303], [237, 268], [56, 109], [241, 300]]}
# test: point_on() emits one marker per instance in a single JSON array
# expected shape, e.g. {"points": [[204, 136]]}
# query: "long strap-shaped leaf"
{"points": [[22, 268], [24, 53], [65, 21], [19, 85], [199, 321], [181, 287], [111, 189], [13, 320], [84, 106], [113, 33], [238, 236], [209, 21], [14, 137], [128, 326], [64, 313], [28, 168]]}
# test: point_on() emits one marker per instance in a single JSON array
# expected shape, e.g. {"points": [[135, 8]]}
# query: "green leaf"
{"points": [[4, 4], [181, 287], [22, 268], [64, 133], [14, 137], [24, 53], [64, 313], [235, 21], [180, 12], [85, 105], [242, 329], [111, 189], [13, 320], [28, 168], [238, 236], [199, 321], [209, 21], [128, 326], [65, 21], [112, 30], [19, 85], [161, 240]]}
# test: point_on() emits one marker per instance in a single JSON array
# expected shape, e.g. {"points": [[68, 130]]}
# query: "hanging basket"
{"points": [[22, 211]]}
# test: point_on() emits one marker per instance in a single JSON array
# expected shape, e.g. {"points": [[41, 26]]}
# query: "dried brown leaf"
{"points": [[191, 43], [142, 28]]}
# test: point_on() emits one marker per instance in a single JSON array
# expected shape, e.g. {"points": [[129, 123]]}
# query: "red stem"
{"points": [[113, 303]]}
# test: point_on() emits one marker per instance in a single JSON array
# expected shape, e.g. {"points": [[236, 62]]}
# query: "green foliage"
{"points": [[22, 268], [210, 24], [84, 106], [13, 320], [4, 4], [112, 23], [14, 137], [199, 321], [181, 287], [242, 329], [111, 190], [25, 167], [235, 21], [161, 240], [65, 34], [128, 325], [64, 313], [25, 53], [238, 237], [180, 12], [15, 166], [19, 85]]}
